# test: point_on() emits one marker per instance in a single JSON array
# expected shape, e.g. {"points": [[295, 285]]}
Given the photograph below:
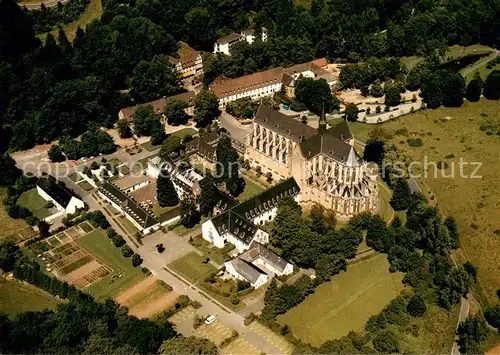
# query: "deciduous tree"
{"points": [[206, 108]]}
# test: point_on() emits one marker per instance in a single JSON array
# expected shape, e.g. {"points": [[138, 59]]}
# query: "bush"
{"points": [[111, 233], [242, 285], [146, 271], [136, 260], [415, 142], [127, 251], [416, 307], [298, 106], [492, 316], [376, 323], [49, 204], [378, 109], [249, 319], [118, 241], [386, 342], [234, 299]]}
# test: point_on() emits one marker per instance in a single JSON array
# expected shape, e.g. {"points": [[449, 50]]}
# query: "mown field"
{"points": [[123, 275], [346, 303], [18, 297], [470, 133]]}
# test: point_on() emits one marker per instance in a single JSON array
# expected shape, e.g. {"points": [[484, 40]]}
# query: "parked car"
{"points": [[210, 319]]}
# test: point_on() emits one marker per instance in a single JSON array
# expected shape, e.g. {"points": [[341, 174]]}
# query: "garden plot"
{"points": [[69, 261]]}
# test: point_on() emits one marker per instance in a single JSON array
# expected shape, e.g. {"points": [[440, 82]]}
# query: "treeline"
{"points": [[45, 19]]}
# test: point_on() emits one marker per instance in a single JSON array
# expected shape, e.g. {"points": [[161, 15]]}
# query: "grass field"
{"points": [[10, 227], [93, 11], [346, 303], [191, 267], [113, 284], [451, 134], [185, 132], [215, 254], [35, 203], [251, 189], [17, 297], [452, 53]]}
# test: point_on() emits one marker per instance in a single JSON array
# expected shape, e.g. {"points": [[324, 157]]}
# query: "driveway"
{"points": [[234, 127]]}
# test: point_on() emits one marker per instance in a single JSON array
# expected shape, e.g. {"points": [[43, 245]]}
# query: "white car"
{"points": [[210, 319]]}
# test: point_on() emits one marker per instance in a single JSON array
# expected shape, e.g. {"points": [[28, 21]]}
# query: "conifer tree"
{"points": [[165, 191]]}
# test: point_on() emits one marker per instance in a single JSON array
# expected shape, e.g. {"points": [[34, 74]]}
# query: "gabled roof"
{"points": [[267, 199], [238, 226], [258, 251], [56, 190], [283, 124], [229, 38], [224, 87], [246, 269], [204, 145], [129, 205], [341, 131], [187, 55], [224, 201], [327, 145]]}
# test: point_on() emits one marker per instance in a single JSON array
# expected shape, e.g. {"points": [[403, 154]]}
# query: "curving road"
{"points": [[37, 5]]}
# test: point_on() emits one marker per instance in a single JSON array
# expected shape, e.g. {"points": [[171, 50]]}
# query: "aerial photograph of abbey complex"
{"points": [[244, 177]]}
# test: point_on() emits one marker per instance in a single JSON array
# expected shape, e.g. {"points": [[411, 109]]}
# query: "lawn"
{"points": [[451, 134], [150, 146], [17, 297], [35, 203], [85, 185], [346, 303], [251, 189], [215, 254], [113, 284], [93, 11], [10, 227], [191, 267], [185, 132], [385, 195]]}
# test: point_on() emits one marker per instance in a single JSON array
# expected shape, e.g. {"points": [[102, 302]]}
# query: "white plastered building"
{"points": [[63, 198]]}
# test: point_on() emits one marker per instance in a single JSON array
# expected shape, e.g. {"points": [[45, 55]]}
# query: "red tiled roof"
{"points": [[223, 86], [187, 56], [320, 62]]}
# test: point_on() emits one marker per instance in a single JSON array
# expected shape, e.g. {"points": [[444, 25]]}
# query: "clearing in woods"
{"points": [[470, 133]]}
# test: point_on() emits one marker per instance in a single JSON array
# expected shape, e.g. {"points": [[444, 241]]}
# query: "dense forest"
{"points": [[60, 88]]}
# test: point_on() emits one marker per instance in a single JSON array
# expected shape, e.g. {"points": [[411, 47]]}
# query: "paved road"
{"points": [[37, 5], [234, 127], [466, 71], [464, 312]]}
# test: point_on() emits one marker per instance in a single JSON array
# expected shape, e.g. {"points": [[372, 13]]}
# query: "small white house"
{"points": [[56, 192], [257, 265], [223, 44]]}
